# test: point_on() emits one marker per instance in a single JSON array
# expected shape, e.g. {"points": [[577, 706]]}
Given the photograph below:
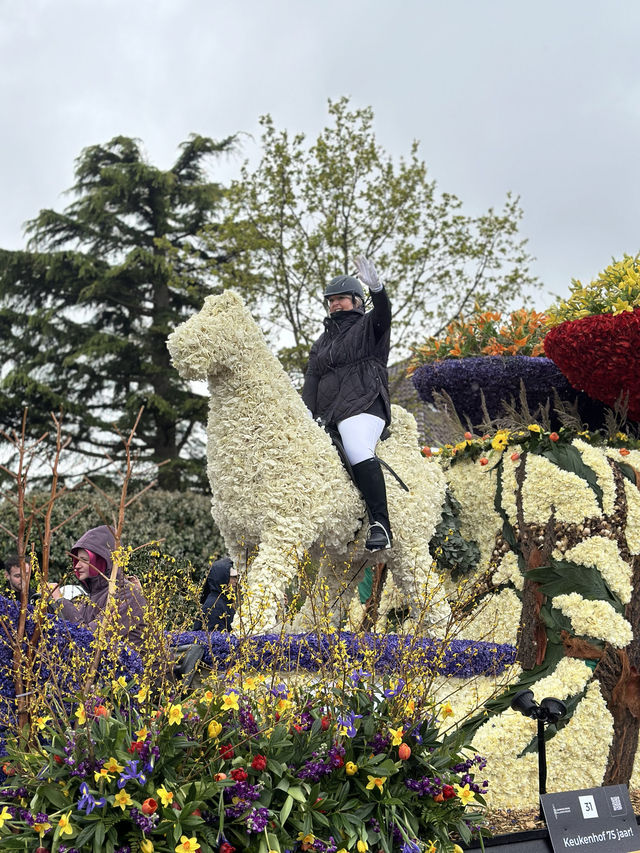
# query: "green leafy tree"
{"points": [[301, 216], [85, 310]]}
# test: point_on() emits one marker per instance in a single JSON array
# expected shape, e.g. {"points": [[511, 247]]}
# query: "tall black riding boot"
{"points": [[369, 479]]}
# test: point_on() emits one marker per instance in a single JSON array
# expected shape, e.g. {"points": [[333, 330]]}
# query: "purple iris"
{"points": [[130, 774], [348, 723], [397, 689], [87, 801], [359, 675]]}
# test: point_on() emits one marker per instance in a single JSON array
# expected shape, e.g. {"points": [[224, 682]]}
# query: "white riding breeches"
{"points": [[360, 435]]}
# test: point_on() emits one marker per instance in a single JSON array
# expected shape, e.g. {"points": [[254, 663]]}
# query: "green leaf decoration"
{"points": [[627, 471], [555, 621], [562, 577], [569, 458]]}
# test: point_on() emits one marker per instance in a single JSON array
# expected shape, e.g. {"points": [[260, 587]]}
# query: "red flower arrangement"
{"points": [[259, 763], [599, 354]]}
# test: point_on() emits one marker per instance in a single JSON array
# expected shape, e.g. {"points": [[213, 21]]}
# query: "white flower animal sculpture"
{"points": [[279, 489]]}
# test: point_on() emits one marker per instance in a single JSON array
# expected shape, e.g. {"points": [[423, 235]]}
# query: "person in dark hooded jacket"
{"points": [[92, 565], [218, 607], [346, 385]]}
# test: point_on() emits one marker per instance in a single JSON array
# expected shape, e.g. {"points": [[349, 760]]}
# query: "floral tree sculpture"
{"points": [[595, 339], [557, 521]]}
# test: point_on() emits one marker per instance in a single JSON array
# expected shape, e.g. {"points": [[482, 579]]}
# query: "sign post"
{"points": [[594, 820]]}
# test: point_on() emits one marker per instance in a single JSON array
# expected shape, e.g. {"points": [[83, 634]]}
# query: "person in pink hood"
{"points": [[92, 565]]}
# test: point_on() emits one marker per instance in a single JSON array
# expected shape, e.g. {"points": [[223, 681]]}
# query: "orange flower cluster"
{"points": [[485, 333]]}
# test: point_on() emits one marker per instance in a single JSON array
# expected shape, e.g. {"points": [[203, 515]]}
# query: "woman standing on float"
{"points": [[346, 385]]}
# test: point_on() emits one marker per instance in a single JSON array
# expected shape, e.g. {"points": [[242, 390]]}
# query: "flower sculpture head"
{"points": [[219, 337]]}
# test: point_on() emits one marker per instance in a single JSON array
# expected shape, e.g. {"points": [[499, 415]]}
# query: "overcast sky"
{"points": [[540, 98]]}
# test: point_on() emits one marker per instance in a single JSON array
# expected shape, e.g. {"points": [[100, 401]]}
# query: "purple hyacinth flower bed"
{"points": [[498, 378], [458, 658]]}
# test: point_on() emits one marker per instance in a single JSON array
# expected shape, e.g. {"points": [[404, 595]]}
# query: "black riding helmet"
{"points": [[345, 285]]}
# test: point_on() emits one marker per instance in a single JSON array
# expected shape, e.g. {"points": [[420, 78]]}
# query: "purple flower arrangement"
{"points": [[458, 658], [498, 378]]}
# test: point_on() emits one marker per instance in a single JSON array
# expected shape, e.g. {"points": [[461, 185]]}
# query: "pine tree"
{"points": [[85, 310]]}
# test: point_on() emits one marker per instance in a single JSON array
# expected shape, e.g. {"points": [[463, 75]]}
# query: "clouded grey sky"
{"points": [[542, 98]]}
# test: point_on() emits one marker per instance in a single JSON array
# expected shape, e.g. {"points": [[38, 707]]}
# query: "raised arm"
{"points": [[367, 274]]}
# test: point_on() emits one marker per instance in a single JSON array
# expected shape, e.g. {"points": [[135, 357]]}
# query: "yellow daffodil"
{"points": [[102, 774], [410, 707], [41, 828], [142, 733], [146, 845], [361, 846], [142, 694], [446, 710], [113, 766], [5, 814], [283, 705], [122, 799], [64, 824], [41, 723], [250, 683], [175, 715], [534, 428], [465, 794], [187, 845], [166, 797], [80, 715], [213, 729], [350, 768], [309, 838], [431, 847], [375, 782], [397, 735], [230, 702], [208, 696], [118, 684]]}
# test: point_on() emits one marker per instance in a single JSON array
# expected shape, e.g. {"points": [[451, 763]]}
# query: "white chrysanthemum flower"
{"points": [[513, 780], [568, 679], [577, 756], [508, 571], [595, 619], [632, 530], [632, 458], [475, 490], [495, 619], [548, 489], [597, 461], [601, 553]]}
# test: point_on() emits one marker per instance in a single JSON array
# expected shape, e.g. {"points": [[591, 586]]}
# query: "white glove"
{"points": [[367, 274]]}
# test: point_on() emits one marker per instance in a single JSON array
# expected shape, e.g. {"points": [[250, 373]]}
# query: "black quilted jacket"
{"points": [[347, 368]]}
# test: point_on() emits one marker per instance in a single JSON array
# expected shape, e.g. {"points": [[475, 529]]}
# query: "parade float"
{"points": [[299, 734]]}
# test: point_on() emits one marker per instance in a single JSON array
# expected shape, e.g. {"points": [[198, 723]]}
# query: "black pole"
{"points": [[542, 763]]}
